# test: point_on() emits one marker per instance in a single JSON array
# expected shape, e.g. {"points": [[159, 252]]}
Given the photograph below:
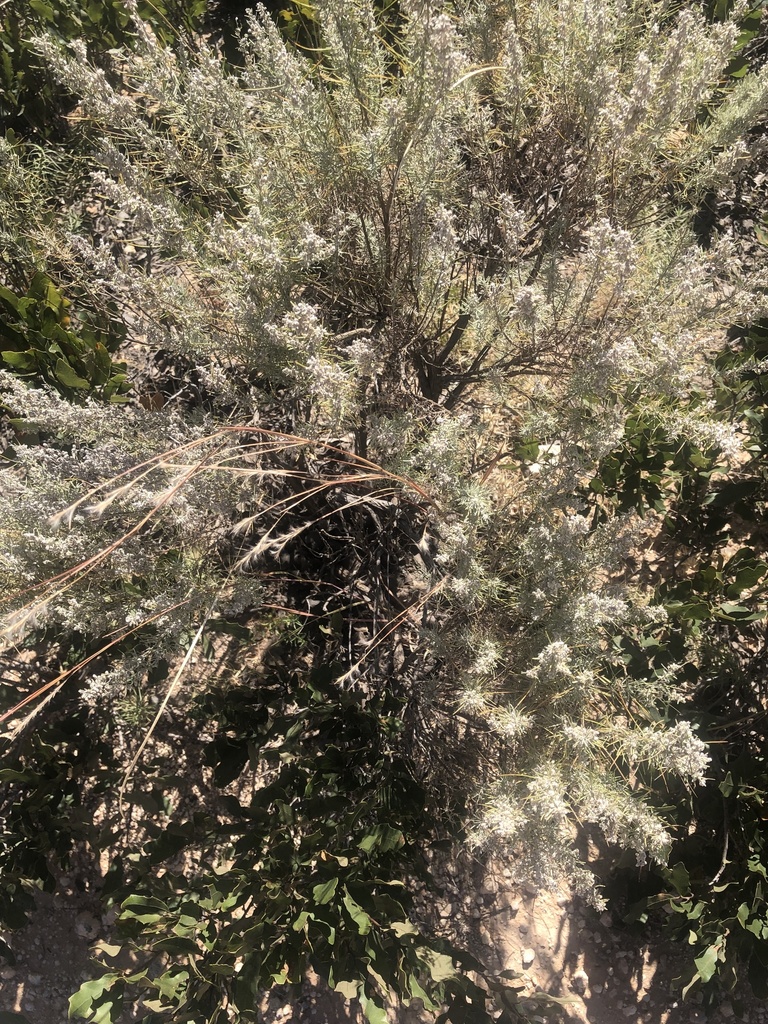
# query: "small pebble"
{"points": [[528, 956], [580, 982], [86, 925]]}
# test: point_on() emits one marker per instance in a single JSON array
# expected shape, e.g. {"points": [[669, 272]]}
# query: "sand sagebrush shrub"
{"points": [[445, 265]]}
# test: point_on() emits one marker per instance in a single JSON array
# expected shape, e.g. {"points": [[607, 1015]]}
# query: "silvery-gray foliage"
{"points": [[458, 251]]}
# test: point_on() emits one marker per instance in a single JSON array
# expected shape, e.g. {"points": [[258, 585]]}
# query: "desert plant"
{"points": [[425, 280]]}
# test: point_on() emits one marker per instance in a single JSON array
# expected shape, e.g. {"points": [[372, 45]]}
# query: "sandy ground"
{"points": [[607, 973]]}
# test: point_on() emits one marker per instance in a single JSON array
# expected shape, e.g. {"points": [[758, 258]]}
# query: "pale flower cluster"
{"points": [[508, 722], [672, 749]]}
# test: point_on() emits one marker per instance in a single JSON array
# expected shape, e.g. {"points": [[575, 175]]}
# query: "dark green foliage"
{"points": [[306, 853], [40, 343], [650, 469], [742, 62], [718, 891], [712, 579], [45, 788], [29, 99]]}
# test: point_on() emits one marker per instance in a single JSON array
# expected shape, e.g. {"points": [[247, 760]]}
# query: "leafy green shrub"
{"points": [[715, 522], [321, 857], [28, 97], [39, 346], [719, 905]]}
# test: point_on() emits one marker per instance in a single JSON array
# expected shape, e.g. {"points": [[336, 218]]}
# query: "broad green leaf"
{"points": [[102, 364], [440, 964], [11, 775], [107, 948], [155, 1005], [179, 944], [142, 904], [80, 1004], [756, 866], [44, 10], [68, 377], [417, 992], [109, 1011], [20, 360], [726, 787], [146, 918], [348, 989], [391, 838], [680, 878], [750, 576], [706, 964], [696, 611], [687, 988], [697, 911], [172, 983], [8, 298], [374, 1013], [402, 928], [28, 310], [221, 970], [324, 892], [358, 915]]}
